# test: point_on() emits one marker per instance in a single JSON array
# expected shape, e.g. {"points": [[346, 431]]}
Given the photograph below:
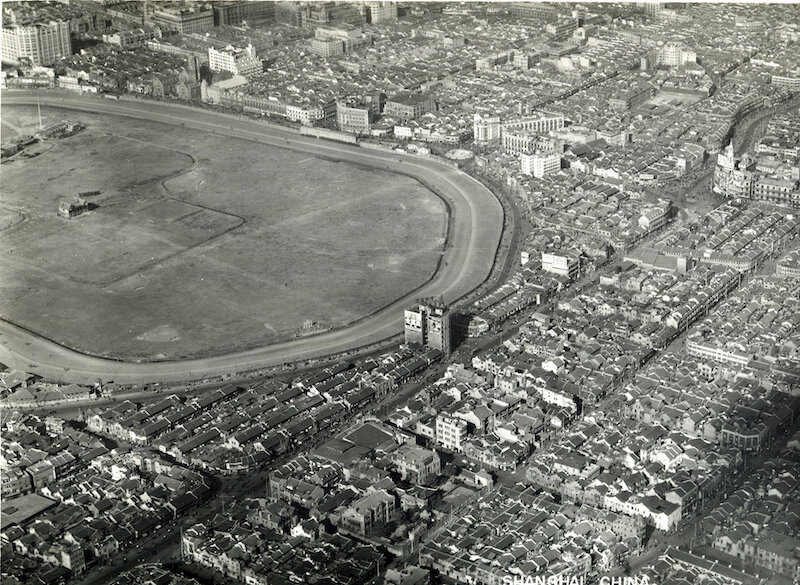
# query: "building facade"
{"points": [[790, 82], [415, 332], [352, 116], [486, 130], [566, 264], [789, 265], [239, 11], [562, 29], [428, 326], [490, 130], [368, 514], [382, 12], [540, 164], [336, 40], [451, 432], [418, 465], [733, 177], [632, 98], [534, 10], [316, 14], [36, 44], [188, 21], [235, 60], [438, 329], [408, 106], [674, 56]]}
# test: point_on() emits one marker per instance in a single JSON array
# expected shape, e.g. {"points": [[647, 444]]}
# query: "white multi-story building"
{"points": [[352, 116], [716, 352], [486, 129], [564, 264], [184, 20], [336, 40], [540, 163], [524, 61], [490, 129], [790, 81], [789, 265], [654, 218], [327, 47], [36, 44], [382, 11], [557, 397], [450, 432], [237, 61], [526, 141], [308, 114], [674, 56]]}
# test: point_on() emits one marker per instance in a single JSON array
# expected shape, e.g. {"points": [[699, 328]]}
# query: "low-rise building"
{"points": [[789, 265], [369, 513], [72, 208], [416, 464]]}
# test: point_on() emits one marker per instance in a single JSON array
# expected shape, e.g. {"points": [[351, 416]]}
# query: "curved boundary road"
{"points": [[476, 228]]}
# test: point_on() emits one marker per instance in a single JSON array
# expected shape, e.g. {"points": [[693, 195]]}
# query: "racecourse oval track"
{"points": [[476, 230]]}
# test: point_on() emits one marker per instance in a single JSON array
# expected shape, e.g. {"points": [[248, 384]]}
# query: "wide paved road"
{"points": [[476, 228]]}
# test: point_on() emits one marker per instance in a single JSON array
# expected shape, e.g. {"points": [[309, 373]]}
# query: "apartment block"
{"points": [[235, 60], [451, 432], [382, 12], [565, 264], [540, 164]]}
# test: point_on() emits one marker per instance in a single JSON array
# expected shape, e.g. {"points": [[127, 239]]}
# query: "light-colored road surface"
{"points": [[476, 227]]}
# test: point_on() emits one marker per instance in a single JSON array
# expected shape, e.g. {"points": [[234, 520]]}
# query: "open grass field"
{"points": [[200, 244]]}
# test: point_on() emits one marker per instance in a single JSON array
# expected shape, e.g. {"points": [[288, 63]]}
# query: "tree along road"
{"points": [[476, 226]]}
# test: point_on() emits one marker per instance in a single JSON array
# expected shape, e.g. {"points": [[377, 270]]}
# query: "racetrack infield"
{"points": [[201, 244]]}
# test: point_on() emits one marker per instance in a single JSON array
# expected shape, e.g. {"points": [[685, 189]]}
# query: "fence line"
{"points": [[429, 157]]}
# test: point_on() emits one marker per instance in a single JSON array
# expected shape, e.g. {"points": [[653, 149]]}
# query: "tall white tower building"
{"points": [[37, 44], [382, 11]]}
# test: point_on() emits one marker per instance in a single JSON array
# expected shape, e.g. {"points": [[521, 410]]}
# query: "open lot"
{"points": [[20, 509], [201, 244]]}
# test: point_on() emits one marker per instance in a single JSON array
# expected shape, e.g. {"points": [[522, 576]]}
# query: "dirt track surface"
{"points": [[200, 244], [476, 227]]}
